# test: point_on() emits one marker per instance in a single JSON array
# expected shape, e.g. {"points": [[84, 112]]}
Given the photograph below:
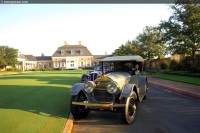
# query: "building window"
{"points": [[72, 52], [71, 63], [56, 64], [88, 64], [82, 64], [62, 52], [62, 64]]}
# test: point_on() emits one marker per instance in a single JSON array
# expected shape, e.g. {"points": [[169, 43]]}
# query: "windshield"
{"points": [[99, 68]]}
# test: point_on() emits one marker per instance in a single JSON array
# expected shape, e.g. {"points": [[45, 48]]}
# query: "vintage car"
{"points": [[118, 90], [91, 75], [86, 76]]}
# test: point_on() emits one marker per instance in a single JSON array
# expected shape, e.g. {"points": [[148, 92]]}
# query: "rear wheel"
{"points": [[129, 112], [79, 111]]}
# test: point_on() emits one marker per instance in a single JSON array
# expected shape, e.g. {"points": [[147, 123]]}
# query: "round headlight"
{"points": [[89, 86], [112, 87]]}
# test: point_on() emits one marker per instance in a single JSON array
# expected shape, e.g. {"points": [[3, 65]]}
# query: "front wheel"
{"points": [[79, 111], [129, 112]]}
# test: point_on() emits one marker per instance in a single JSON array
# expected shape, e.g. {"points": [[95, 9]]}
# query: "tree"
{"points": [[8, 56], [130, 48], [182, 30], [150, 44]]}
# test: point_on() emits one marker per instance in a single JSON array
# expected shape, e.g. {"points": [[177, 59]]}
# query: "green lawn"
{"points": [[8, 72], [190, 80], [36, 101]]}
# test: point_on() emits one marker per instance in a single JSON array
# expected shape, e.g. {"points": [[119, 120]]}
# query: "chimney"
{"points": [[65, 43], [19, 53], [79, 43], [105, 53], [42, 54]]}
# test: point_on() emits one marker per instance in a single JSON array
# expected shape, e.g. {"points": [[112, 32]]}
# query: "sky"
{"points": [[34, 29]]}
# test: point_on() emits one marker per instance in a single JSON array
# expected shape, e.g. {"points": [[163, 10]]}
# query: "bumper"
{"points": [[102, 105]]}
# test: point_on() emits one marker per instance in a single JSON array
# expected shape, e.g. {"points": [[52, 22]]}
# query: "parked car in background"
{"points": [[91, 75], [119, 89], [86, 76]]}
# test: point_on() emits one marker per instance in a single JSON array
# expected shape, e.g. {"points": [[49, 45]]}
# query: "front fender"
{"points": [[127, 90], [76, 88]]}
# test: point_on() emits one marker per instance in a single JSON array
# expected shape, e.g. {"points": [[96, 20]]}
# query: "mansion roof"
{"points": [[43, 58], [71, 50], [30, 58]]}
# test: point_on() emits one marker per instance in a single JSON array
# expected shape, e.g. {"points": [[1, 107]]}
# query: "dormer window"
{"points": [[81, 51], [72, 52], [62, 52]]}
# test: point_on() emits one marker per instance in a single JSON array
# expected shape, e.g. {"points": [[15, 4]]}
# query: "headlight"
{"points": [[89, 86], [112, 87]]}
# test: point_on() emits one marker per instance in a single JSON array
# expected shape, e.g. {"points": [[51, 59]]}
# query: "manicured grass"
{"points": [[8, 72], [190, 80], [36, 101], [183, 73]]}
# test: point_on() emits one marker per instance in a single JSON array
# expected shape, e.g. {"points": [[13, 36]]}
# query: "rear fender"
{"points": [[76, 88], [142, 83]]}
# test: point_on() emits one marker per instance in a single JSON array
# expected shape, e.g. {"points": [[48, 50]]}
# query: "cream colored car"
{"points": [[118, 90]]}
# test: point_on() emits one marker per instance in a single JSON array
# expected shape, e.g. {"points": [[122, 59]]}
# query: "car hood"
{"points": [[118, 76]]}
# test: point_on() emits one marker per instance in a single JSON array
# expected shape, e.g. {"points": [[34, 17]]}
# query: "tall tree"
{"points": [[130, 48], [8, 56], [182, 30], [150, 43]]}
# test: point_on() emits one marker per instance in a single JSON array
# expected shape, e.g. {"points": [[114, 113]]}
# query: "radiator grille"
{"points": [[102, 95]]}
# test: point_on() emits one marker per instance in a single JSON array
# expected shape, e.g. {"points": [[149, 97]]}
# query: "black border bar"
{"points": [[88, 1]]}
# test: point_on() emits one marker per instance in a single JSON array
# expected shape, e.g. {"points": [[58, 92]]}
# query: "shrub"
{"points": [[9, 69], [48, 69], [180, 66], [164, 65], [43, 69], [187, 63], [35, 69], [56, 69], [173, 65]]}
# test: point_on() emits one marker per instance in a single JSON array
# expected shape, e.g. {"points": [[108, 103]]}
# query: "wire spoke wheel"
{"points": [[129, 112], [132, 108]]}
